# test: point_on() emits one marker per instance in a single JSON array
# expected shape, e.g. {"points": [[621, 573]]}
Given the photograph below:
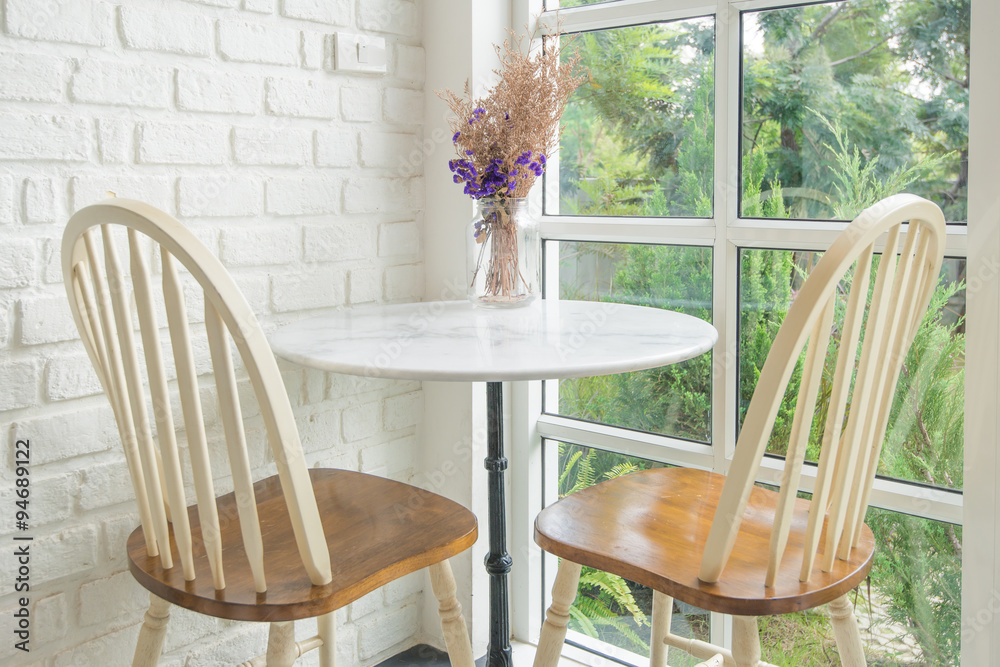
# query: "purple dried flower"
{"points": [[454, 138]]}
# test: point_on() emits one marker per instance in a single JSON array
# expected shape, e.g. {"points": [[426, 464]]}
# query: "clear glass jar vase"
{"points": [[503, 257]]}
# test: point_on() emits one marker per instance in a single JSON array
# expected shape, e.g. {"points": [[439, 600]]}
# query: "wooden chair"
{"points": [[299, 544], [721, 542]]}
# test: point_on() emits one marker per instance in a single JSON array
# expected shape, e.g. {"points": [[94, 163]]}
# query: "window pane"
{"points": [[672, 400], [638, 135], [608, 608], [926, 426], [844, 103]]}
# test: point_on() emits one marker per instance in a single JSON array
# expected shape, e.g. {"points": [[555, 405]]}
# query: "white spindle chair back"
{"points": [[862, 387], [101, 298]]}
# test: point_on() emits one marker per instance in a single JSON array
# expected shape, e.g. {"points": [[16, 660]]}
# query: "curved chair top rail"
{"points": [[99, 295], [904, 282]]}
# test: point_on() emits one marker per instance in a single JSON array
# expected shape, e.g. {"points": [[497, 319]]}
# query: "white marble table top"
{"points": [[452, 340]]}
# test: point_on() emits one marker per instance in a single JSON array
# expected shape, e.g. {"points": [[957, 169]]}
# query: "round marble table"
{"points": [[454, 341]]}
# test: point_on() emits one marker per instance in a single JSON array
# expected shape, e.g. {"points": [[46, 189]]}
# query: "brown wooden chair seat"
{"points": [[377, 530], [724, 544], [651, 526]]}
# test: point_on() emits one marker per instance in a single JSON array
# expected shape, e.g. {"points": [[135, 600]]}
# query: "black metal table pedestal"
{"points": [[498, 561]]}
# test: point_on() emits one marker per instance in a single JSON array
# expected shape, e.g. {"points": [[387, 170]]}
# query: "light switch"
{"points": [[359, 53]]}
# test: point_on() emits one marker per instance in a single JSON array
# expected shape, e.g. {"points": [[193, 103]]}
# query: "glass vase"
{"points": [[504, 253]]}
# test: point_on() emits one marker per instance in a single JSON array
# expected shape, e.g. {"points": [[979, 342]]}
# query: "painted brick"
{"points": [[114, 534], [68, 434], [106, 484], [114, 140], [31, 77], [70, 376], [365, 285], [245, 639], [404, 106], [361, 421], [74, 21], [218, 92], [366, 605], [403, 411], [392, 457], [154, 190], [177, 143], [410, 64], [44, 138], [388, 630], [41, 200], [280, 146], [261, 246], [6, 199], [307, 290], [394, 16], [121, 84], [217, 3], [259, 6], [64, 554], [334, 12], [313, 49], [398, 238], [404, 282], [222, 195], [18, 258], [304, 98], [384, 149], [115, 648], [336, 147], [46, 319], [359, 104], [130, 598], [404, 588], [50, 615], [339, 241], [170, 32], [305, 195], [318, 431], [51, 261], [377, 195], [253, 43], [52, 498], [19, 380]]}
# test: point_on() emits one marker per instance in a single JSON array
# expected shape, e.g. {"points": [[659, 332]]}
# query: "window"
{"points": [[713, 154]]}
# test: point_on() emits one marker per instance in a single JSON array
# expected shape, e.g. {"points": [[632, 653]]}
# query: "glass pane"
{"points": [[844, 103], [672, 400], [638, 135], [608, 608], [926, 426]]}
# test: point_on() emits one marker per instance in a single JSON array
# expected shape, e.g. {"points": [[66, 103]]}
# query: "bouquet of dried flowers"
{"points": [[503, 141]]}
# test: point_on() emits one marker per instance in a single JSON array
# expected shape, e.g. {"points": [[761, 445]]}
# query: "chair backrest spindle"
{"points": [[194, 423]]}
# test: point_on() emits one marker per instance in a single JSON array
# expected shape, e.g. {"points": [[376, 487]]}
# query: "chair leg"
{"points": [[456, 634], [281, 649], [326, 627], [846, 632], [663, 611], [746, 641], [553, 634], [154, 629]]}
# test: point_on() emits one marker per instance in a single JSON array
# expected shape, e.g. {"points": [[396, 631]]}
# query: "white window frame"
{"points": [[977, 509]]}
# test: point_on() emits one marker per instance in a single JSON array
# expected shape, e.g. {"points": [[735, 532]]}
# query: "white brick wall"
{"points": [[226, 114]]}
